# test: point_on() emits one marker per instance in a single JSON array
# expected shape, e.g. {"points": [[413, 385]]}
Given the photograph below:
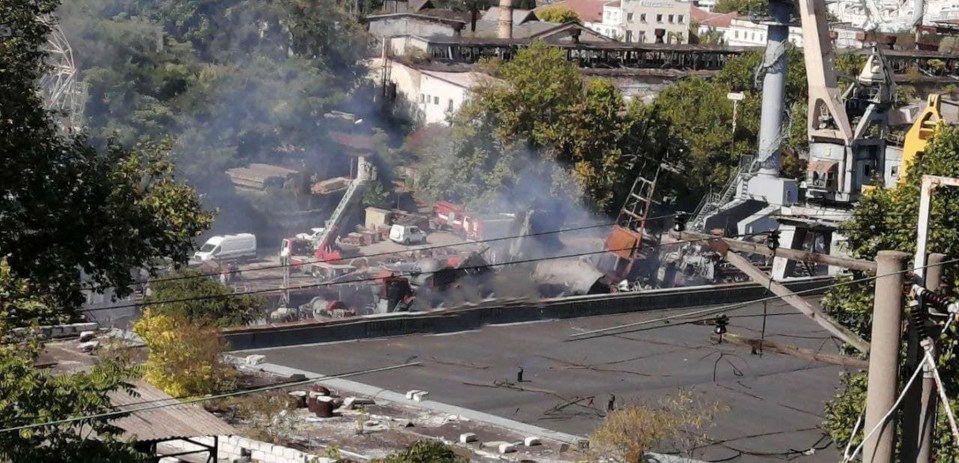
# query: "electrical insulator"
{"points": [[934, 298], [917, 318], [679, 224], [773, 241], [721, 322]]}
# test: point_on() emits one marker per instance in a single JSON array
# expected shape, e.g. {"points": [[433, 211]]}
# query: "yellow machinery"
{"points": [[921, 131]]}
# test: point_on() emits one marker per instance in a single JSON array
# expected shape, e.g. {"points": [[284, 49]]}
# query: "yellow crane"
{"points": [[926, 125]]}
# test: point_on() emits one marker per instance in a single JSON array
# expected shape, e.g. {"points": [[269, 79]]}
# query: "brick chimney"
{"points": [[505, 19]]}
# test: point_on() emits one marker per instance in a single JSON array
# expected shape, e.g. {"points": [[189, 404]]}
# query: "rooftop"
{"points": [[587, 10], [776, 401], [706, 18], [153, 419]]}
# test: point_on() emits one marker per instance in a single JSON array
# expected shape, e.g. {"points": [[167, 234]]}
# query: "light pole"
{"points": [[736, 97]]}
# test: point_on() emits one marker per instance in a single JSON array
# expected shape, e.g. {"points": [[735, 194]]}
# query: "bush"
{"points": [[679, 423], [427, 451], [184, 355]]}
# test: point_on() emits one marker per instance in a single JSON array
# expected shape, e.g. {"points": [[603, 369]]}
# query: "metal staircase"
{"points": [[735, 187]]}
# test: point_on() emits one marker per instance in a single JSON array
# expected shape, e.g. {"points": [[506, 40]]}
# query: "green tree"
{"points": [[184, 355], [700, 115], [557, 14], [678, 423], [67, 208], [541, 119], [886, 219], [198, 297], [743, 7], [426, 451], [34, 395]]}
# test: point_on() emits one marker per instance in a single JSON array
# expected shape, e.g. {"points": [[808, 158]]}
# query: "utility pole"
{"points": [[884, 356], [928, 398]]}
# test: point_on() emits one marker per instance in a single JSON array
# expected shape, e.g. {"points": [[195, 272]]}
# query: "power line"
{"points": [[615, 330], [368, 279], [386, 253], [206, 398]]}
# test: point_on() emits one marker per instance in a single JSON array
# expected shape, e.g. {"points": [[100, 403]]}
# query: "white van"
{"points": [[228, 247], [407, 234]]}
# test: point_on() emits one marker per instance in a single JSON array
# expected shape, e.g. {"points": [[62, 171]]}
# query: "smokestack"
{"points": [[505, 19]]}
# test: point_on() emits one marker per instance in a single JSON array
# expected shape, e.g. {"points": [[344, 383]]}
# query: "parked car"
{"points": [[407, 234], [227, 248]]}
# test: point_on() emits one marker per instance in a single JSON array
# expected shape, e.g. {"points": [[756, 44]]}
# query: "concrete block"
{"points": [[87, 336], [89, 326], [291, 454], [506, 448], [531, 441], [88, 346], [409, 394], [258, 455], [420, 396], [252, 360], [467, 437]]}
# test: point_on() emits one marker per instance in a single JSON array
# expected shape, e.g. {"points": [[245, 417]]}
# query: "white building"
{"points": [[891, 15], [602, 16], [426, 96], [657, 21], [442, 93], [612, 24], [745, 33]]}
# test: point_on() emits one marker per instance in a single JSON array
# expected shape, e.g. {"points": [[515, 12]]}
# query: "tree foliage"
{"points": [[34, 395], [557, 14], [886, 219], [678, 423], [193, 296], [426, 451], [743, 7], [184, 355], [66, 207], [700, 114], [232, 82], [540, 126]]}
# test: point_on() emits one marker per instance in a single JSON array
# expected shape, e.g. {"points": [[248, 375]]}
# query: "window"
{"points": [[671, 19], [736, 34], [629, 17], [680, 19], [629, 36], [659, 18], [642, 36], [449, 107], [642, 17], [436, 100]]}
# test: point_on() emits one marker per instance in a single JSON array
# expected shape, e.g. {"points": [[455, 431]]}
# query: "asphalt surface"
{"points": [[775, 401]]}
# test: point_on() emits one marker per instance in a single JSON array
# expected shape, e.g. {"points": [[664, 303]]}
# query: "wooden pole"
{"points": [[817, 315], [802, 256]]}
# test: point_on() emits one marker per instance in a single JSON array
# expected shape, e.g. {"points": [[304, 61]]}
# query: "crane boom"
{"points": [[827, 119]]}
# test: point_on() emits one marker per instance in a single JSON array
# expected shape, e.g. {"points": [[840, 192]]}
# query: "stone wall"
{"points": [[232, 447]]}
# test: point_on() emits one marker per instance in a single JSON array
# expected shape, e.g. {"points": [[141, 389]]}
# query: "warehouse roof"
{"points": [[155, 416]]}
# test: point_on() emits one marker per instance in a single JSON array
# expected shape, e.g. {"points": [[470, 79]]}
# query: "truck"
{"points": [[227, 248], [455, 218], [312, 257]]}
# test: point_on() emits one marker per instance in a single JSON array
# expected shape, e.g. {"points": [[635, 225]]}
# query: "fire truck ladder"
{"points": [[350, 198]]}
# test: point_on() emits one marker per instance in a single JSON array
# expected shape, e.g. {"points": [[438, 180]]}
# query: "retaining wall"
{"points": [[468, 318]]}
